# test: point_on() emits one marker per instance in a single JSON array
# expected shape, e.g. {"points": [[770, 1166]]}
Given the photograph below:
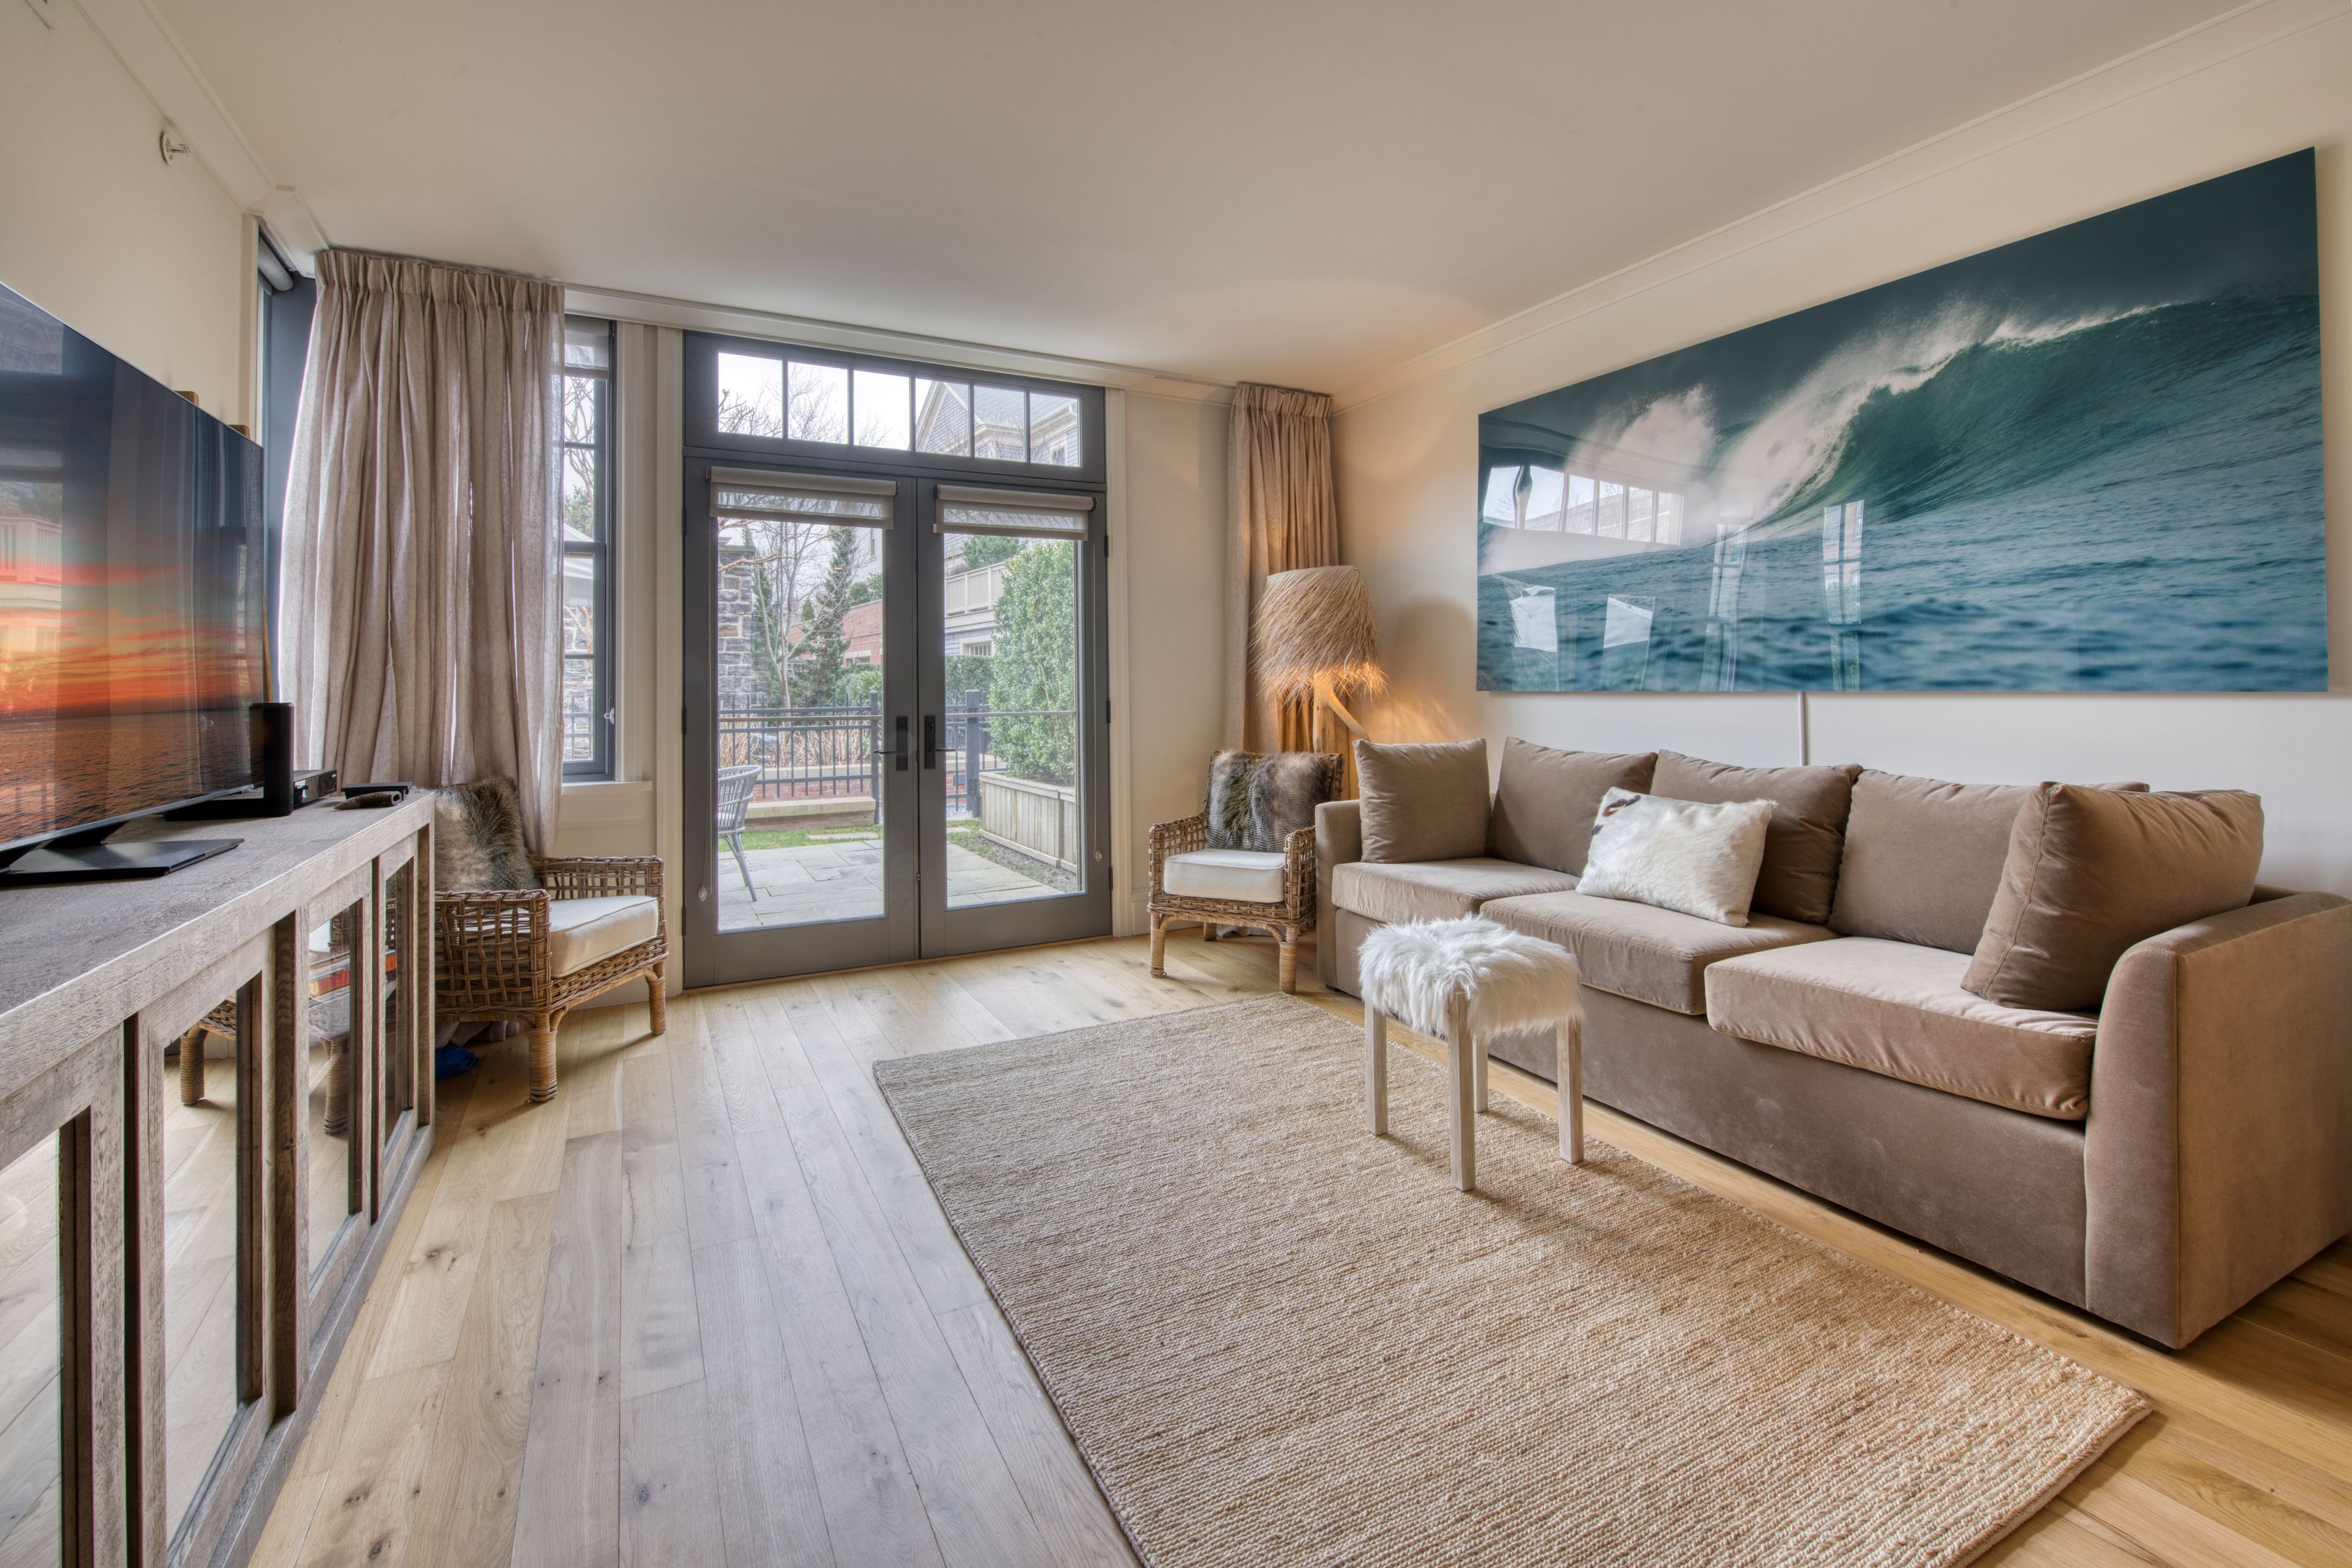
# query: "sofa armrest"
{"points": [[1338, 839], [2218, 1152]]}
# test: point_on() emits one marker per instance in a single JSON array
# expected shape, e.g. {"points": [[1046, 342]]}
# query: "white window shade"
{"points": [[803, 497], [968, 509]]}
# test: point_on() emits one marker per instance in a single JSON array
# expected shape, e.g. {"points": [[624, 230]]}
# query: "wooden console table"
{"points": [[215, 1093]]}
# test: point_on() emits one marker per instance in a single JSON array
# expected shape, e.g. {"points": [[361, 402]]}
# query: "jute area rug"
{"points": [[1278, 1340]]}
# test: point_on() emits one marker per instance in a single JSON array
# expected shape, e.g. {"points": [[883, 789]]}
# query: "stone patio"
{"points": [[843, 881]]}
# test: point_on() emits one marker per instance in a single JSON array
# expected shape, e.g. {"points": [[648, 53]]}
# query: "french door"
{"points": [[894, 727]]}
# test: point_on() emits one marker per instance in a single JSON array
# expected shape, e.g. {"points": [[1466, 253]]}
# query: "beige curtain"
{"points": [[1283, 512], [420, 606]]}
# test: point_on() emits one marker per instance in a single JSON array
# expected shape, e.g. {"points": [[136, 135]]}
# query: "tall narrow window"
{"points": [[586, 506]]}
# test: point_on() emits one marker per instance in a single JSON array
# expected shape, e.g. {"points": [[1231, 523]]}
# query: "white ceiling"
{"points": [[1306, 193]]}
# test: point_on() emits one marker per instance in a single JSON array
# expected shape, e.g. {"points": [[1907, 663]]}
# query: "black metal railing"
{"points": [[823, 753]]}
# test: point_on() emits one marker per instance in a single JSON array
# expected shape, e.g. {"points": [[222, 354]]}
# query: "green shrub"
{"points": [[1036, 664]]}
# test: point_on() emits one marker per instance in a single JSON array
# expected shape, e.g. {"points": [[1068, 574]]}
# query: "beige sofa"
{"points": [[2159, 1163]]}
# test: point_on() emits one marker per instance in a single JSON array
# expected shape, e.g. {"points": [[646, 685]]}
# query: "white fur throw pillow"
{"points": [[1677, 854]]}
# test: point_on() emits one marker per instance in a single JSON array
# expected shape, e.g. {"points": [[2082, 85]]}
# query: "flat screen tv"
{"points": [[134, 590]]}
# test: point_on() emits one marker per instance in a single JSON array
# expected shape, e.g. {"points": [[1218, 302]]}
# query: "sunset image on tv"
{"points": [[132, 613]]}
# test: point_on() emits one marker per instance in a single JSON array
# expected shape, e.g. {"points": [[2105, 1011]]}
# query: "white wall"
{"points": [[154, 262], [2267, 81], [1167, 724]]}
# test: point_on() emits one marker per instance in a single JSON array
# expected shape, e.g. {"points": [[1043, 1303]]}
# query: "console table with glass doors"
{"points": [[216, 1094]]}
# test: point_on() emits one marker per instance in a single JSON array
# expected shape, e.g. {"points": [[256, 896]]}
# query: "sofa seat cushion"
{"points": [[1898, 1010], [1436, 890], [1639, 951], [582, 932], [1236, 876]]}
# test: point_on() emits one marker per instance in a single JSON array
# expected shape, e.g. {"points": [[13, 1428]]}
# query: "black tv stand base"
{"points": [[71, 862]]}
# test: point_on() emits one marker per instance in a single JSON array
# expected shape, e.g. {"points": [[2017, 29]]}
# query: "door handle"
{"points": [[930, 741], [899, 751]]}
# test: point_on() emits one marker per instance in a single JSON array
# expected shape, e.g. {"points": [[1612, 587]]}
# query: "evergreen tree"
{"points": [[819, 662]]}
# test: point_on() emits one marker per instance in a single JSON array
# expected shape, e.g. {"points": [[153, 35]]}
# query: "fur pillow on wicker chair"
{"points": [[1256, 801], [478, 844]]}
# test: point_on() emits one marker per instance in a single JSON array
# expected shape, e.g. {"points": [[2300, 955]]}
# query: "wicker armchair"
{"points": [[492, 960], [1286, 919]]}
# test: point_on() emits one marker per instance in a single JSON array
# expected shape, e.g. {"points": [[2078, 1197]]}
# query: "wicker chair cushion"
{"points": [[1233, 876], [581, 932]]}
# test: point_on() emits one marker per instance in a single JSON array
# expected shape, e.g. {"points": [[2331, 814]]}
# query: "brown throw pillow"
{"points": [[1923, 858], [2092, 871], [1799, 880], [1546, 800], [1424, 802], [478, 844]]}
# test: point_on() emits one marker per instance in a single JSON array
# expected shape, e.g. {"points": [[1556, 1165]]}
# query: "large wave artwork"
{"points": [[2089, 460]]}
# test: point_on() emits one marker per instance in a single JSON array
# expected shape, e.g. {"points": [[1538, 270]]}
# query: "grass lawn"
{"points": [[801, 838]]}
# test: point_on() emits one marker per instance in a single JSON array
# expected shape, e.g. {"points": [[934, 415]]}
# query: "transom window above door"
{"points": [[782, 396]]}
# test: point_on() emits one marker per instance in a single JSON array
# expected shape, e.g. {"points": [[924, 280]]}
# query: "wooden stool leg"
{"points": [[542, 1059], [657, 1000], [1461, 1062], [1478, 1075], [1160, 947], [1285, 966], [1569, 1068], [192, 1066], [1376, 1070]]}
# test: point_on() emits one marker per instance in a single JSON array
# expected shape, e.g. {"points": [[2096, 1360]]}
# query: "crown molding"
{"points": [[2252, 26], [691, 315]]}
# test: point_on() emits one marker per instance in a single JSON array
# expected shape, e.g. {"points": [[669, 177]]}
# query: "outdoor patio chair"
{"points": [[735, 787]]}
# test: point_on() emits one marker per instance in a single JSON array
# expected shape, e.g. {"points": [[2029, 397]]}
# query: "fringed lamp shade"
{"points": [[1316, 638], [1316, 634]]}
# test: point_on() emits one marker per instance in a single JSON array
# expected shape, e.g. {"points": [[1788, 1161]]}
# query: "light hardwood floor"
{"points": [[702, 1309]]}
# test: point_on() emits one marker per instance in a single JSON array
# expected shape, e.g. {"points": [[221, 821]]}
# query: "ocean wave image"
{"points": [[2086, 461]]}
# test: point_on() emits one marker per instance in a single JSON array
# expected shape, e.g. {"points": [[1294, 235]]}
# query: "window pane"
{"points": [[579, 603], [820, 395], [751, 396], [582, 396], [999, 418], [881, 409], [943, 418], [31, 1287], [1053, 429], [580, 492], [1010, 746], [802, 753]]}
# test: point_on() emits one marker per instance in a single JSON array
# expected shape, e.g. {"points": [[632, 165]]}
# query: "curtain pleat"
{"points": [[421, 604], [1283, 513]]}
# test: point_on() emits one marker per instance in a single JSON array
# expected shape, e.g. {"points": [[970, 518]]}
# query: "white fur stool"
{"points": [[1465, 982]]}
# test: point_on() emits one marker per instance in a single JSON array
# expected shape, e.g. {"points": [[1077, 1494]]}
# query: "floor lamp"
{"points": [[1316, 639]]}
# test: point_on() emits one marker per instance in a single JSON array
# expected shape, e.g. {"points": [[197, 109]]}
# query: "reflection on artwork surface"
{"points": [[2086, 461]]}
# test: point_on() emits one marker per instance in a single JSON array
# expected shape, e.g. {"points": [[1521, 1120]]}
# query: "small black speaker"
{"points": [[273, 756]]}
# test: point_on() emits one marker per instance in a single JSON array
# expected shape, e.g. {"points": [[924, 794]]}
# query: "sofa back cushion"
{"points": [[1424, 802], [1547, 799], [1923, 858], [1799, 881], [2092, 871]]}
